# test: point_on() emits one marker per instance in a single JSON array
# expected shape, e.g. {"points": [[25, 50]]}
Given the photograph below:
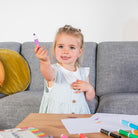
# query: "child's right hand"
{"points": [[41, 53]]}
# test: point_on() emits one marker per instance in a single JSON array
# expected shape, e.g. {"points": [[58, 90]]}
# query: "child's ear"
{"points": [[81, 51]]}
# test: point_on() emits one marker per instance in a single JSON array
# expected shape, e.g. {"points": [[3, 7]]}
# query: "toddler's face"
{"points": [[67, 49]]}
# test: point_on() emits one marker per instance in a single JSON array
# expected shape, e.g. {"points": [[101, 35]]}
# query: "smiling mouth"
{"points": [[65, 57]]}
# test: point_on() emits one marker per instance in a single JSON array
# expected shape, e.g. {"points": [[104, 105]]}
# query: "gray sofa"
{"points": [[114, 75]]}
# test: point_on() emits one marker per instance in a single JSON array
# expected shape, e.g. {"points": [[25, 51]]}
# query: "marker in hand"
{"points": [[36, 40]]}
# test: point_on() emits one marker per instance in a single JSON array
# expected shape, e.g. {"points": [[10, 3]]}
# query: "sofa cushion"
{"points": [[117, 67], [27, 51], [37, 80], [17, 73], [89, 60], [93, 105], [16, 107], [118, 103]]}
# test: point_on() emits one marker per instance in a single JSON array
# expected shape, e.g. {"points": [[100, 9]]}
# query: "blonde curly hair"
{"points": [[68, 29]]}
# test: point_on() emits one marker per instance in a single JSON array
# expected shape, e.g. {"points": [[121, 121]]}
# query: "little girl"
{"points": [[66, 86]]}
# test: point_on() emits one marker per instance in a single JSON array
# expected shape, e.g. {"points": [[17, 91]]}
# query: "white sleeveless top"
{"points": [[60, 98]]}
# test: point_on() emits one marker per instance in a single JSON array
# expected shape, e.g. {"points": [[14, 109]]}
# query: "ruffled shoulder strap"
{"points": [[84, 72]]}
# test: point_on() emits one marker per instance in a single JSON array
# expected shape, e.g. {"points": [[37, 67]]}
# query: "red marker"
{"points": [[82, 135]]}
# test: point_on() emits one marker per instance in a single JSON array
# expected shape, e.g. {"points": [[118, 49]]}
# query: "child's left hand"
{"points": [[84, 86], [81, 86]]}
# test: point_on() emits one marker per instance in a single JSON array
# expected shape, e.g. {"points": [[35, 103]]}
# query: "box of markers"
{"points": [[26, 132]]}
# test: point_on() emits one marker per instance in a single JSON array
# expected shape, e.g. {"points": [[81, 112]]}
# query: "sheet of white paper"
{"points": [[111, 122]]}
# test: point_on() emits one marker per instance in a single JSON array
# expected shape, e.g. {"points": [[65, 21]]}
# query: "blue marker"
{"points": [[131, 125]]}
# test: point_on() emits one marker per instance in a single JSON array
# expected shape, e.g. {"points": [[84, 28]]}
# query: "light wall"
{"points": [[99, 20]]}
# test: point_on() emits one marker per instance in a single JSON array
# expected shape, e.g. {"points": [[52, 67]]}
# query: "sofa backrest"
{"points": [[117, 67], [37, 81], [11, 45], [27, 51], [89, 60]]}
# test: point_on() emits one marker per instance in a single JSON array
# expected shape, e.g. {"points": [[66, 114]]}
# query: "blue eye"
{"points": [[72, 47], [60, 46]]}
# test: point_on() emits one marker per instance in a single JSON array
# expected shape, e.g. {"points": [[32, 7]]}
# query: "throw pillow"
{"points": [[17, 72], [2, 74]]}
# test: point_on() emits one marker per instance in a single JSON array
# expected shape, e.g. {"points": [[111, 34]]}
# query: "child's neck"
{"points": [[69, 67]]}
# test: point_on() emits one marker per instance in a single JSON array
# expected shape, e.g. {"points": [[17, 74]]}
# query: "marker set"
{"points": [[134, 133], [125, 133]]}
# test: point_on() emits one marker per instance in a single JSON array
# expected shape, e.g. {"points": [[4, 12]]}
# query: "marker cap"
{"points": [[135, 132], [63, 136]]}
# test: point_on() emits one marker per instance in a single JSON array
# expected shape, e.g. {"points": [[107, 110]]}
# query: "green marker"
{"points": [[125, 133]]}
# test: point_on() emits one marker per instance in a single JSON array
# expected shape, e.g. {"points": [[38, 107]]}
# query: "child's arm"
{"points": [[84, 86], [91, 93], [46, 69]]}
